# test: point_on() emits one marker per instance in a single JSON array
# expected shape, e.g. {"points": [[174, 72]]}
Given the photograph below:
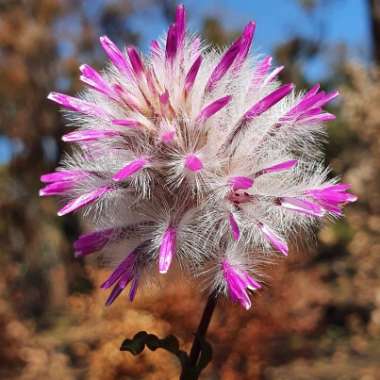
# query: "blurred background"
{"points": [[320, 319]]}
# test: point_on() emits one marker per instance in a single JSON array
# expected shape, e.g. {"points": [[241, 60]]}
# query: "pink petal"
{"points": [[264, 66], [130, 169], [167, 249], [213, 108], [63, 175], [133, 289], [171, 43], [326, 116], [274, 239], [236, 284], [56, 188], [130, 123], [286, 165], [125, 266], [195, 46], [251, 283], [261, 70], [337, 187], [88, 135], [180, 21], [264, 104], [222, 67], [75, 104], [115, 55], [234, 226], [136, 62], [239, 293], [272, 76], [192, 74], [240, 183], [114, 294], [91, 77], [155, 48], [93, 241], [245, 43], [83, 200], [301, 205]]}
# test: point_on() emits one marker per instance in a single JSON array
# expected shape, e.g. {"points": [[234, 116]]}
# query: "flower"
{"points": [[187, 152]]}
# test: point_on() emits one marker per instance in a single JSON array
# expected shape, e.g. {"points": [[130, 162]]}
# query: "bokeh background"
{"points": [[320, 319]]}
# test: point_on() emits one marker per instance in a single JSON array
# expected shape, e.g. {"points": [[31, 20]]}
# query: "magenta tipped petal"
{"points": [[240, 183], [88, 135], [238, 282], [317, 118], [222, 67], [91, 77], [276, 241], [235, 230], [278, 167], [180, 22], [264, 66], [303, 206], [130, 169], [136, 62], [83, 200], [192, 74], [125, 266], [75, 104], [155, 48], [332, 197], [130, 123], [114, 294], [212, 108], [273, 75], [171, 43], [245, 43], [133, 289], [92, 242], [63, 175], [264, 104], [167, 249], [115, 55], [56, 188]]}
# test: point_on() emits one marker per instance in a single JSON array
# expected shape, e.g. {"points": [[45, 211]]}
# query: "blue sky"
{"points": [[342, 21], [277, 20]]}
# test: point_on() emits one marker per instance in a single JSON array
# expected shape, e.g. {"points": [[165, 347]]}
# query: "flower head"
{"points": [[189, 151]]}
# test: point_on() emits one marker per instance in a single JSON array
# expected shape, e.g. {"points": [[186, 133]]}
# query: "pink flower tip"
{"points": [[168, 137], [130, 169], [240, 183], [193, 163]]}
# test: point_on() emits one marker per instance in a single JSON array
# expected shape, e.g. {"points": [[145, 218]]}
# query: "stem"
{"points": [[202, 330]]}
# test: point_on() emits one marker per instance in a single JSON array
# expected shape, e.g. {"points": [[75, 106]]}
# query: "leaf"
{"points": [[135, 345], [170, 343]]}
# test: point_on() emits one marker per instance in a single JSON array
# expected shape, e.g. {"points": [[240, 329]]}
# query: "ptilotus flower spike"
{"points": [[186, 151]]}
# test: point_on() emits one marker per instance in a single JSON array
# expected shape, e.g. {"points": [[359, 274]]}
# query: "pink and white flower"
{"points": [[180, 144]]}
